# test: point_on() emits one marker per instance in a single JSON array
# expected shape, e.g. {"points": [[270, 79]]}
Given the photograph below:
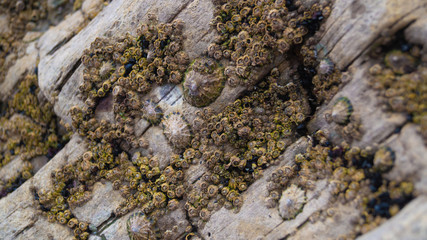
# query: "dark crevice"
{"points": [[176, 100], [179, 11], [104, 225], [68, 75], [24, 229], [15, 185], [60, 44], [166, 94]]}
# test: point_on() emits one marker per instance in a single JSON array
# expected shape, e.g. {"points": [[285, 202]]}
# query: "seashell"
{"points": [[203, 82], [176, 130], [139, 227], [342, 111], [326, 66], [291, 202], [106, 69]]}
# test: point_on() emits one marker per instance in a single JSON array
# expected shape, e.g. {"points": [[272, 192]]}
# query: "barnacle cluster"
{"points": [[22, 17], [124, 69], [139, 180], [401, 81], [28, 129], [353, 174], [238, 143], [72, 186], [251, 32], [120, 73]]}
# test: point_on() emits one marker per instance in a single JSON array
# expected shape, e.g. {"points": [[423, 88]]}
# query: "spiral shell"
{"points": [[291, 202]]}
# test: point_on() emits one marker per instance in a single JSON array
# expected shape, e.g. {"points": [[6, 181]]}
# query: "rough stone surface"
{"points": [[58, 35], [102, 204], [353, 27], [92, 7]]}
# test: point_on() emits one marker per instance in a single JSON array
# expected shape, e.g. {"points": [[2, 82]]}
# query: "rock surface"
{"points": [[353, 27]]}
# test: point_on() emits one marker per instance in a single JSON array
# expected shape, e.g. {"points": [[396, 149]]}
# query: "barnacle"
{"points": [[291, 202], [176, 130], [152, 112], [140, 227], [384, 159], [203, 82], [399, 62]]}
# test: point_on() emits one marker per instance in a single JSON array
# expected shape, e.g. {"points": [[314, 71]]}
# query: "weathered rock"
{"points": [[101, 206], [353, 27], [92, 7], [58, 35], [20, 217]]}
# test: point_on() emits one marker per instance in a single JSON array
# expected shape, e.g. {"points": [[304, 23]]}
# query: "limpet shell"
{"points": [[291, 202]]}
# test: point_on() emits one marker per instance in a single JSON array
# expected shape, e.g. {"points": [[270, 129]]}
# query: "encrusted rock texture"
{"points": [[353, 27]]}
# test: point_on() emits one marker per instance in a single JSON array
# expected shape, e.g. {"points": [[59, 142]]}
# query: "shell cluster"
{"points": [[123, 69], [138, 179], [402, 83], [238, 143], [353, 175], [235, 145], [252, 33]]}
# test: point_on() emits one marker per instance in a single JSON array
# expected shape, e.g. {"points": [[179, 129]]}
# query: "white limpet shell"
{"points": [[291, 202]]}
